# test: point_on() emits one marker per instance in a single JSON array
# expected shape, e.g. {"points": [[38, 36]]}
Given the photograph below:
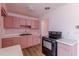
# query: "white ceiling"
{"points": [[32, 9]]}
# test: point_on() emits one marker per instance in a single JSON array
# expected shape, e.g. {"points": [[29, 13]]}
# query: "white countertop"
{"points": [[67, 41], [13, 35], [11, 51], [8, 35]]}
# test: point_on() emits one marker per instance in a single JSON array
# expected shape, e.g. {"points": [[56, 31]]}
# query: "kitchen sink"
{"points": [[25, 34]]}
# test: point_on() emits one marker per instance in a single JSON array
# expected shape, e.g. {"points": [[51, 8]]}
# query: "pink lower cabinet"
{"points": [[10, 42], [24, 42], [67, 50], [29, 40], [35, 39]]}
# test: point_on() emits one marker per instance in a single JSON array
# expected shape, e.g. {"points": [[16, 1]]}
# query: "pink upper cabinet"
{"points": [[22, 21], [13, 22], [8, 22], [35, 24], [16, 22], [28, 22]]}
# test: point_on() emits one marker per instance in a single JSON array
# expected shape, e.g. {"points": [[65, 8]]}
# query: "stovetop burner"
{"points": [[49, 39], [55, 34]]}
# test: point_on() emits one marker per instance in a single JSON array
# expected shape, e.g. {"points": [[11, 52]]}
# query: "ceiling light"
{"points": [[47, 8]]}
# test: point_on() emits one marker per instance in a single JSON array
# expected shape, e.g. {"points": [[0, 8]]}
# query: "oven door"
{"points": [[47, 44], [49, 48]]}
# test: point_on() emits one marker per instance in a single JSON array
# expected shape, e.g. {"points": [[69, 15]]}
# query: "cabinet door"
{"points": [[29, 41], [7, 42], [16, 40], [8, 22], [22, 21], [64, 50], [35, 40], [35, 24], [10, 42], [16, 22], [28, 22], [38, 40], [24, 42]]}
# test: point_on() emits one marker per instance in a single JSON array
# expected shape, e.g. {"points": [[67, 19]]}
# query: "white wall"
{"points": [[65, 19]]}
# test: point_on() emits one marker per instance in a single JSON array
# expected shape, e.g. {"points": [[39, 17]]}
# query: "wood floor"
{"points": [[33, 51]]}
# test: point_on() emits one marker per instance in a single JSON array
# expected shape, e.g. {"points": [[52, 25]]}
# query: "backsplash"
{"points": [[18, 31], [13, 31]]}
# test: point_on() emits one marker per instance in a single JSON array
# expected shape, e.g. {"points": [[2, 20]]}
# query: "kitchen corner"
{"points": [[18, 29]]}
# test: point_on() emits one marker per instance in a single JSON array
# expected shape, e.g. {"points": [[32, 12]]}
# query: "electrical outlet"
{"points": [[77, 27]]}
